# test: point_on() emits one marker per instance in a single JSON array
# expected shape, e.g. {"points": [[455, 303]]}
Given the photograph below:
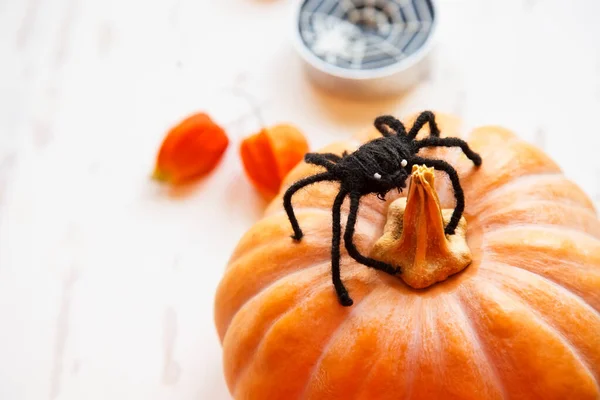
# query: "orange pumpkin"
{"points": [[522, 321]]}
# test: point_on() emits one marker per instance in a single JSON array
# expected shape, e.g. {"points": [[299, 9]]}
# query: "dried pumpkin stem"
{"points": [[414, 236]]}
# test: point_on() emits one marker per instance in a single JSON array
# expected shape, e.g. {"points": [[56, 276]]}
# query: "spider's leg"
{"points": [[450, 142], [340, 290], [386, 124], [349, 235], [321, 160], [458, 192], [425, 117], [287, 199], [332, 157]]}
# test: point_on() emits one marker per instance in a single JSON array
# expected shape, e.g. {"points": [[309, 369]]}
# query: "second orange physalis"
{"points": [[190, 150], [270, 154]]}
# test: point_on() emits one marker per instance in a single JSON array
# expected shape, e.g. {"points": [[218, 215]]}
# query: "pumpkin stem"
{"points": [[414, 236]]}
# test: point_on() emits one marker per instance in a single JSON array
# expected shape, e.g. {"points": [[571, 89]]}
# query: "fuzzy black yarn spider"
{"points": [[377, 167]]}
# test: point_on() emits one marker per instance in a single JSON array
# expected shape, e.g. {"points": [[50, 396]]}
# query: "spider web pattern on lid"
{"points": [[365, 34]]}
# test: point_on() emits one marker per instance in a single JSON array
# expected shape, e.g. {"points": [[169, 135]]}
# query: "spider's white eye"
{"points": [[404, 163], [377, 176]]}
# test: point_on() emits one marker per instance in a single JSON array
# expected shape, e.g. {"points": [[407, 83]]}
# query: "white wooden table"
{"points": [[107, 279]]}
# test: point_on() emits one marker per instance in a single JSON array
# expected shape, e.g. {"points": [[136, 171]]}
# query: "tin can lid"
{"points": [[365, 47]]}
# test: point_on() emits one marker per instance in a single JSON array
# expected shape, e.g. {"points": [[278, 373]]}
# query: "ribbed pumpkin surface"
{"points": [[521, 322]]}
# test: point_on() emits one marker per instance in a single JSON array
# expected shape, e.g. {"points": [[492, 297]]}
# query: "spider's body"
{"points": [[377, 167]]}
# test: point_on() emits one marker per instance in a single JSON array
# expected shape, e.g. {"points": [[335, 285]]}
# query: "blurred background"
{"points": [[107, 279]]}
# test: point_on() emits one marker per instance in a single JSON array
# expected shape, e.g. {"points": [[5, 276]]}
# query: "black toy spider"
{"points": [[378, 166]]}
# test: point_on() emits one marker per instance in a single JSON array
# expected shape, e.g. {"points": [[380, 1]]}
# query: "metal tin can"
{"points": [[365, 47]]}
